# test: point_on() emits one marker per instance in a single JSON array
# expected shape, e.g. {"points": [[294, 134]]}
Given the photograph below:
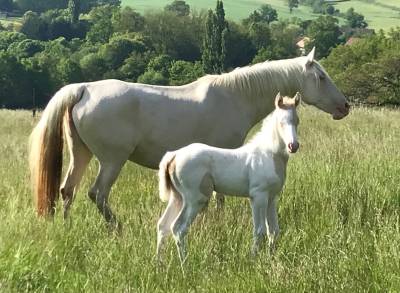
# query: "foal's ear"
{"points": [[310, 57], [278, 101], [297, 99]]}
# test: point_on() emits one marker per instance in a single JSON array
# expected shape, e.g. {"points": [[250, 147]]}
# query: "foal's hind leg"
{"points": [[166, 220], [79, 158], [191, 207], [100, 191]]}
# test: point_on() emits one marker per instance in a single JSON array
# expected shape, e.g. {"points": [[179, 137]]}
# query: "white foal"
{"points": [[188, 176]]}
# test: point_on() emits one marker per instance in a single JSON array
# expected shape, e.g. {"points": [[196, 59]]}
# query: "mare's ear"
{"points": [[310, 58], [278, 100], [297, 99]]}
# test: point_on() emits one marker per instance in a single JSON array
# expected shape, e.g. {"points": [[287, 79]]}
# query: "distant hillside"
{"points": [[380, 14]]}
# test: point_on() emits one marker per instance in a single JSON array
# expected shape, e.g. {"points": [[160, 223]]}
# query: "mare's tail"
{"points": [[45, 148], [165, 184]]}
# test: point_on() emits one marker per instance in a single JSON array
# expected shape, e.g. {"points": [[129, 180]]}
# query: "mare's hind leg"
{"points": [[108, 173], [79, 158], [165, 222]]}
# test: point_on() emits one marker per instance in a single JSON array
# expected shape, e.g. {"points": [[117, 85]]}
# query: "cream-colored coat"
{"points": [[118, 121]]}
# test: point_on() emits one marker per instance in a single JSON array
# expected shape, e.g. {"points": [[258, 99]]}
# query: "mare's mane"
{"points": [[266, 78]]}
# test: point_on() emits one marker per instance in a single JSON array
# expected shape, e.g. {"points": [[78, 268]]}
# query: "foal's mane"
{"points": [[265, 78], [268, 136]]}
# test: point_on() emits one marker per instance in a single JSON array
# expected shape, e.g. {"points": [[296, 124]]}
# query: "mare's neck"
{"points": [[257, 85]]}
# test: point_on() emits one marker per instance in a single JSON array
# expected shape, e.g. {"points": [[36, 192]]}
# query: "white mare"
{"points": [[118, 121], [188, 176]]}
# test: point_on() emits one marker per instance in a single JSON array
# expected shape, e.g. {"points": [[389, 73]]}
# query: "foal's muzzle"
{"points": [[293, 147]]}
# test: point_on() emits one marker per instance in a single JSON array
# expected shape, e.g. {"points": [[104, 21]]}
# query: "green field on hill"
{"points": [[381, 14]]}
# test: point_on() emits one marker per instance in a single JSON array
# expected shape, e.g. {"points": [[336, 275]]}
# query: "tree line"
{"points": [[74, 42]]}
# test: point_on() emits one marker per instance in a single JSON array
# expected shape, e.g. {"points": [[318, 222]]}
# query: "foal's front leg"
{"points": [[258, 201], [220, 200], [272, 222]]}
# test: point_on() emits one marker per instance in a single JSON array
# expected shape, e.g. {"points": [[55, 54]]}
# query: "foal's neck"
{"points": [[268, 139]]}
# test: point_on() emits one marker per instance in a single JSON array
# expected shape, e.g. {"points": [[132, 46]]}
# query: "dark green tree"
{"points": [[101, 29], [184, 72], [177, 36], [26, 48], [160, 63], [153, 77], [15, 87], [324, 33], [179, 7], [93, 67], [134, 66], [32, 25], [8, 38], [265, 14], [292, 4], [127, 20], [6, 5], [354, 19], [214, 45], [330, 10], [74, 10]]}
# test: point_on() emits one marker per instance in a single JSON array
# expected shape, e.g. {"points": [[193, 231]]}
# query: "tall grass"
{"points": [[339, 217]]}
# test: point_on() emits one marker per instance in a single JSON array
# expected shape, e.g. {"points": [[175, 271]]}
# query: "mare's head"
{"points": [[319, 90], [287, 121]]}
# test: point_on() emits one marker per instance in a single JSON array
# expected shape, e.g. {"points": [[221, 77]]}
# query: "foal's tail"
{"points": [[45, 148], [165, 184]]}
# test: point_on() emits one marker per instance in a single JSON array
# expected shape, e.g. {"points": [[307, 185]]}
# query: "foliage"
{"points": [[214, 45], [179, 7], [324, 33], [368, 71], [354, 19], [153, 77], [14, 82], [101, 24], [177, 36], [183, 72], [62, 45], [127, 20], [75, 6], [265, 14], [292, 4], [6, 5]]}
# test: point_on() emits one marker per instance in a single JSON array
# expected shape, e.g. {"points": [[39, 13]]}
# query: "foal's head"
{"points": [[287, 120]]}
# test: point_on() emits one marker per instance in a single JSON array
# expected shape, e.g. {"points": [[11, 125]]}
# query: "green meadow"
{"points": [[339, 216], [380, 14]]}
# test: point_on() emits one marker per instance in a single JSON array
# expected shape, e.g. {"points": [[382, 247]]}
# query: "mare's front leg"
{"points": [[272, 222], [259, 201]]}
